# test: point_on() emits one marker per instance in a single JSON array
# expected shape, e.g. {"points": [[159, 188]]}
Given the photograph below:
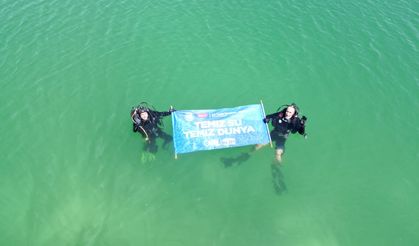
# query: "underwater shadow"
{"points": [[235, 161], [278, 179]]}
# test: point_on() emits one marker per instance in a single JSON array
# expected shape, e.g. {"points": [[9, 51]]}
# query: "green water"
{"points": [[72, 172]]}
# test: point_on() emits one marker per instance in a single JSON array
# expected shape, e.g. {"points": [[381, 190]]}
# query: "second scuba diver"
{"points": [[147, 122], [285, 121]]}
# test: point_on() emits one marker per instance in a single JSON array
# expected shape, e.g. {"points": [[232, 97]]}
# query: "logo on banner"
{"points": [[202, 115]]}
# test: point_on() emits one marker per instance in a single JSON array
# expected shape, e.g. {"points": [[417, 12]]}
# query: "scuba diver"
{"points": [[147, 121], [285, 121]]}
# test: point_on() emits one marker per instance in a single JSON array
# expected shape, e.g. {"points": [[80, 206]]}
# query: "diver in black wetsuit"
{"points": [[147, 122], [285, 121]]}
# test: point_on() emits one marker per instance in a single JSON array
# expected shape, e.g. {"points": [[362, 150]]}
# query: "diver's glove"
{"points": [[305, 136], [303, 120], [171, 110], [266, 120]]}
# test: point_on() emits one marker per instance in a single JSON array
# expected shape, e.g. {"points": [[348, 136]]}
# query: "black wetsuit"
{"points": [[283, 127], [150, 128]]}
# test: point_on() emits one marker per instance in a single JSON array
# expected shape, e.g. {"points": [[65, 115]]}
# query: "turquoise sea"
{"points": [[72, 172]]}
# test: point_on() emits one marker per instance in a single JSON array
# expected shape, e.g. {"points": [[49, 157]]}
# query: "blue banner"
{"points": [[195, 130]]}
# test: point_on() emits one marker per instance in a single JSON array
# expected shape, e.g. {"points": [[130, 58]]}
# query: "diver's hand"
{"points": [[265, 120], [305, 136], [171, 109], [303, 120]]}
